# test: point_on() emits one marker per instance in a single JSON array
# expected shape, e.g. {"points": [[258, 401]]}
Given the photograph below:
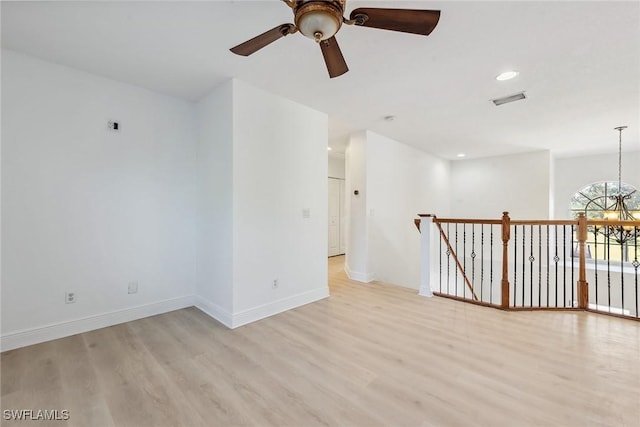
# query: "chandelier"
{"points": [[618, 210]]}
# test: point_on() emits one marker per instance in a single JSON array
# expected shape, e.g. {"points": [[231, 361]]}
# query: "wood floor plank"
{"points": [[81, 392], [370, 355], [302, 382]]}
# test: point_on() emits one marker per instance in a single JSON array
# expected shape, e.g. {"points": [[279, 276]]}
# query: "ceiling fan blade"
{"points": [[336, 64], [264, 39], [404, 20]]}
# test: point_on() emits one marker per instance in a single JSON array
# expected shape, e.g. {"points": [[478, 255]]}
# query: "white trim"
{"points": [[425, 256], [64, 329], [275, 307], [425, 291], [607, 309], [54, 331], [214, 311], [358, 276]]}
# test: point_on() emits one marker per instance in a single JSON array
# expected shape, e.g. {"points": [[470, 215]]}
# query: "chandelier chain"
{"points": [[620, 129]]}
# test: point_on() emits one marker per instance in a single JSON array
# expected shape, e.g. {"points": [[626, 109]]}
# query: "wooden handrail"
{"points": [[544, 222], [417, 220], [466, 221], [590, 222]]}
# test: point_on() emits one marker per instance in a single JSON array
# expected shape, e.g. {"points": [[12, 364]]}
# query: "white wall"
{"points": [[207, 198], [574, 173], [279, 171], [88, 210], [214, 264], [532, 185], [396, 183], [262, 164], [336, 166], [402, 182], [484, 188]]}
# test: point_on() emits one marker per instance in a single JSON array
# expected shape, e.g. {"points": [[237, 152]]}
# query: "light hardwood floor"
{"points": [[371, 354]]}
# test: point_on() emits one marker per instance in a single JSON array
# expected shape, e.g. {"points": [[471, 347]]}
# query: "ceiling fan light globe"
{"points": [[313, 23]]}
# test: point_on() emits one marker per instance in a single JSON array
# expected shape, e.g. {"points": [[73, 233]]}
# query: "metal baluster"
{"points": [[464, 257], [515, 263], [636, 264], [573, 264], [595, 260], [491, 268], [524, 234], [564, 256], [548, 280], [456, 270], [440, 253], [531, 261], [473, 259], [448, 260], [540, 262], [622, 258], [608, 273], [481, 260]]}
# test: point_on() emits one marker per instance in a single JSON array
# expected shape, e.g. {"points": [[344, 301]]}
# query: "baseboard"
{"points": [[425, 291], [215, 311], [260, 312], [358, 276], [64, 329]]}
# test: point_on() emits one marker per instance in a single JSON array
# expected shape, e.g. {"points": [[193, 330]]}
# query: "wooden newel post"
{"points": [[506, 235], [583, 286]]}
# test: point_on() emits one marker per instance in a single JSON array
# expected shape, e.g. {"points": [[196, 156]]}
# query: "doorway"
{"points": [[336, 217]]}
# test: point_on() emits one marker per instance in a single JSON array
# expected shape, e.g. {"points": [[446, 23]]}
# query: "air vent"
{"points": [[510, 98]]}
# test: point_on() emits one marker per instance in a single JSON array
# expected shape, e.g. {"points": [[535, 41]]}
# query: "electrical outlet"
{"points": [[133, 287], [69, 297], [275, 284]]}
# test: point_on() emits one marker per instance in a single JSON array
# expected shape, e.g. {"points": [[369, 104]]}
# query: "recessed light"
{"points": [[329, 148], [460, 155], [507, 75], [389, 118]]}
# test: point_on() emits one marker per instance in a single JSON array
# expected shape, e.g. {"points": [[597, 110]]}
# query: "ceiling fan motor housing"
{"points": [[319, 20]]}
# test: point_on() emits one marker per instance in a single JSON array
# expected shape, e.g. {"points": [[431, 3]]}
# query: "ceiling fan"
{"points": [[320, 20]]}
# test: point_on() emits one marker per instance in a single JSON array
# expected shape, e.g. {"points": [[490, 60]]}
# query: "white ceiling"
{"points": [[579, 64]]}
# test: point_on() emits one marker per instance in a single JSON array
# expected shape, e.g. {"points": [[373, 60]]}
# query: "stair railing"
{"points": [[531, 265]]}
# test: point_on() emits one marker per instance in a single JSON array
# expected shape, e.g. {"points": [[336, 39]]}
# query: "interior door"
{"points": [[343, 220], [334, 216]]}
